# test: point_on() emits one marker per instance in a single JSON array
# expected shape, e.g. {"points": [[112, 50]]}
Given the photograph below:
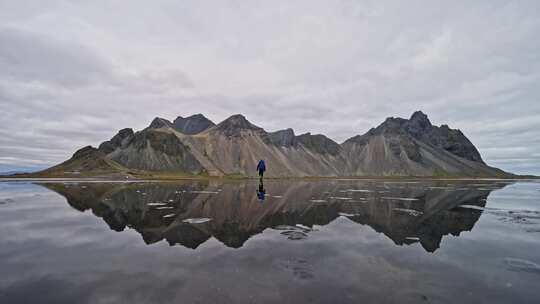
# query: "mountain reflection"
{"points": [[189, 213]]}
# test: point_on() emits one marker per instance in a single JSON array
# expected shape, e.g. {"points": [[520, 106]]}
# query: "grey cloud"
{"points": [[27, 56], [73, 73]]}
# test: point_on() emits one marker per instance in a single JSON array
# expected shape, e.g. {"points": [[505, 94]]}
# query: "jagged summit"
{"points": [[193, 124], [118, 140], [237, 121], [233, 125], [408, 135], [420, 117], [418, 124], [159, 122]]}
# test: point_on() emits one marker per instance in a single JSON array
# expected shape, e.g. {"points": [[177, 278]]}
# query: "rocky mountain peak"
{"points": [[159, 122], [197, 116], [236, 123], [418, 127], [193, 124], [123, 133], [285, 138], [237, 120], [122, 137], [390, 125], [418, 124], [420, 117]]}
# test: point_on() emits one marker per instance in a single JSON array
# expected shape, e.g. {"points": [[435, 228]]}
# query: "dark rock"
{"points": [[159, 122], [453, 141], [85, 152], [106, 147], [295, 235], [319, 143], [391, 125], [157, 151], [418, 124], [160, 141], [285, 138], [193, 124], [233, 126], [121, 138], [418, 127]]}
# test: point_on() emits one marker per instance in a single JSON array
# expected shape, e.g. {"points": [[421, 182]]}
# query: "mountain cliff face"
{"points": [[414, 147], [153, 150], [397, 147]]}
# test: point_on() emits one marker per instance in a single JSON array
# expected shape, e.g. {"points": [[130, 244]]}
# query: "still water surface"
{"points": [[337, 241]]}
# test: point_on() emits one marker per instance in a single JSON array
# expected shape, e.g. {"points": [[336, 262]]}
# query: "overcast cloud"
{"points": [[73, 73]]}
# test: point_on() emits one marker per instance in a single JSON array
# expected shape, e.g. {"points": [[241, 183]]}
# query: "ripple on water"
{"points": [[157, 204], [295, 235], [197, 220], [300, 268], [410, 212], [399, 198], [522, 265], [340, 198]]}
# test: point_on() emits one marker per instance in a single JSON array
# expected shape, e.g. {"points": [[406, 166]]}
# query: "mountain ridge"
{"points": [[397, 147]]}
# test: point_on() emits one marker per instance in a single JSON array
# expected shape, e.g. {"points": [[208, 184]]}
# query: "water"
{"points": [[337, 241]]}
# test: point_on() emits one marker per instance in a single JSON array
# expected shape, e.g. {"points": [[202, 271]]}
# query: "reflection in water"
{"points": [[190, 213], [261, 192]]}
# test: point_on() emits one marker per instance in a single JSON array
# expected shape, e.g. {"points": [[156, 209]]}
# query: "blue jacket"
{"points": [[261, 166]]}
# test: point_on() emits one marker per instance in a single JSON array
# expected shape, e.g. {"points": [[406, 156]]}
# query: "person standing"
{"points": [[261, 167]]}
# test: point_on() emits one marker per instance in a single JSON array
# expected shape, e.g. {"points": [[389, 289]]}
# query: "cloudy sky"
{"points": [[74, 72]]}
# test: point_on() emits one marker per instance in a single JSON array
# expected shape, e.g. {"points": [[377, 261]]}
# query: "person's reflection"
{"points": [[261, 192]]}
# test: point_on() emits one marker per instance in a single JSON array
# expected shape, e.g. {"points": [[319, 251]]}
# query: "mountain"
{"points": [[195, 145], [414, 147]]}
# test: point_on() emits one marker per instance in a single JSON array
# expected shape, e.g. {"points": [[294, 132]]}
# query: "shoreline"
{"points": [[230, 179]]}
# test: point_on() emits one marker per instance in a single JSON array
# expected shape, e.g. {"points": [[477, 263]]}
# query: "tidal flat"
{"points": [[287, 241]]}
